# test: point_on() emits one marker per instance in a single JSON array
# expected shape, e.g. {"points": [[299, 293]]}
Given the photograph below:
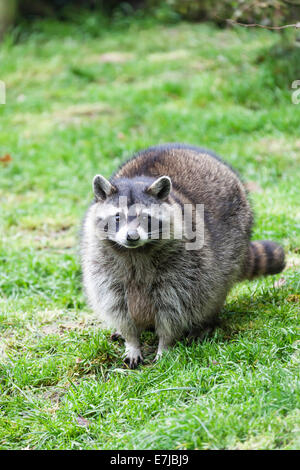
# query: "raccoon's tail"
{"points": [[263, 258]]}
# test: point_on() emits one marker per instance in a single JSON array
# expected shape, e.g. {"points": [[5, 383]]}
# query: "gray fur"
{"points": [[160, 284]]}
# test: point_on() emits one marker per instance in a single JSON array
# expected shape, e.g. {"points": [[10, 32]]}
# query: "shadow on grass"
{"points": [[283, 62]]}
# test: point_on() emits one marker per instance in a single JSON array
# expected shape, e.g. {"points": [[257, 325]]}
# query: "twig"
{"points": [[253, 25], [171, 388]]}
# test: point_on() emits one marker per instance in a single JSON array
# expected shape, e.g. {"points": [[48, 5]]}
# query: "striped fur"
{"points": [[263, 258], [160, 284]]}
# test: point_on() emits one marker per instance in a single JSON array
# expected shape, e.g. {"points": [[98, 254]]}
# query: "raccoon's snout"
{"points": [[133, 236]]}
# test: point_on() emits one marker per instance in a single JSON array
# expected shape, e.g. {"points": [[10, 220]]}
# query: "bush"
{"points": [[267, 12]]}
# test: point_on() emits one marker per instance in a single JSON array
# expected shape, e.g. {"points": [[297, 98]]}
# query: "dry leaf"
{"points": [[83, 422], [293, 298], [5, 159]]}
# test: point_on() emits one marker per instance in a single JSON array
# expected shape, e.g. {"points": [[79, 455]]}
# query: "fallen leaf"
{"points": [[280, 282], [5, 159], [293, 298], [83, 422]]}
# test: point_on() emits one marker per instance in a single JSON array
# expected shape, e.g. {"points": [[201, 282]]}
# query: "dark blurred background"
{"points": [[267, 13]]}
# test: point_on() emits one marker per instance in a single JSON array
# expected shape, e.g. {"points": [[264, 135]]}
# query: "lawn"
{"points": [[80, 99]]}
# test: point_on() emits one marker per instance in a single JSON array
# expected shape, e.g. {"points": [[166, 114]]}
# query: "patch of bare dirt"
{"points": [[78, 112], [166, 56], [253, 187], [115, 57]]}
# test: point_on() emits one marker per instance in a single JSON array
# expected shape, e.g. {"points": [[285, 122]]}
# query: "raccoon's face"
{"points": [[132, 212]]}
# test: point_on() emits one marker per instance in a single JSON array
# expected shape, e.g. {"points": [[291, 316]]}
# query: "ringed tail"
{"points": [[263, 258]]}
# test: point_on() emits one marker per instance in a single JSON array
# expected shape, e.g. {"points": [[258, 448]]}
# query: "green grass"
{"points": [[72, 112]]}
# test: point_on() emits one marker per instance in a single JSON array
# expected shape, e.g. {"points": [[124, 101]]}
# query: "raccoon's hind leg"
{"points": [[167, 332], [163, 344], [199, 333], [166, 338]]}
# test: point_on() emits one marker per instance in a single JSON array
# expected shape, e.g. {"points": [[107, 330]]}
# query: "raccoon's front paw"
{"points": [[133, 357]]}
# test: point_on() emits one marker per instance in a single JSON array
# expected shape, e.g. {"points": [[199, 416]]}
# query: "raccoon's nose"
{"points": [[132, 236]]}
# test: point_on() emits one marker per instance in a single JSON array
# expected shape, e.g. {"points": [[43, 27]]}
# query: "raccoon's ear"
{"points": [[161, 187], [102, 188]]}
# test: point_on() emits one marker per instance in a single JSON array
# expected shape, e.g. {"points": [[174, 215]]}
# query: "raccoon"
{"points": [[138, 276]]}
